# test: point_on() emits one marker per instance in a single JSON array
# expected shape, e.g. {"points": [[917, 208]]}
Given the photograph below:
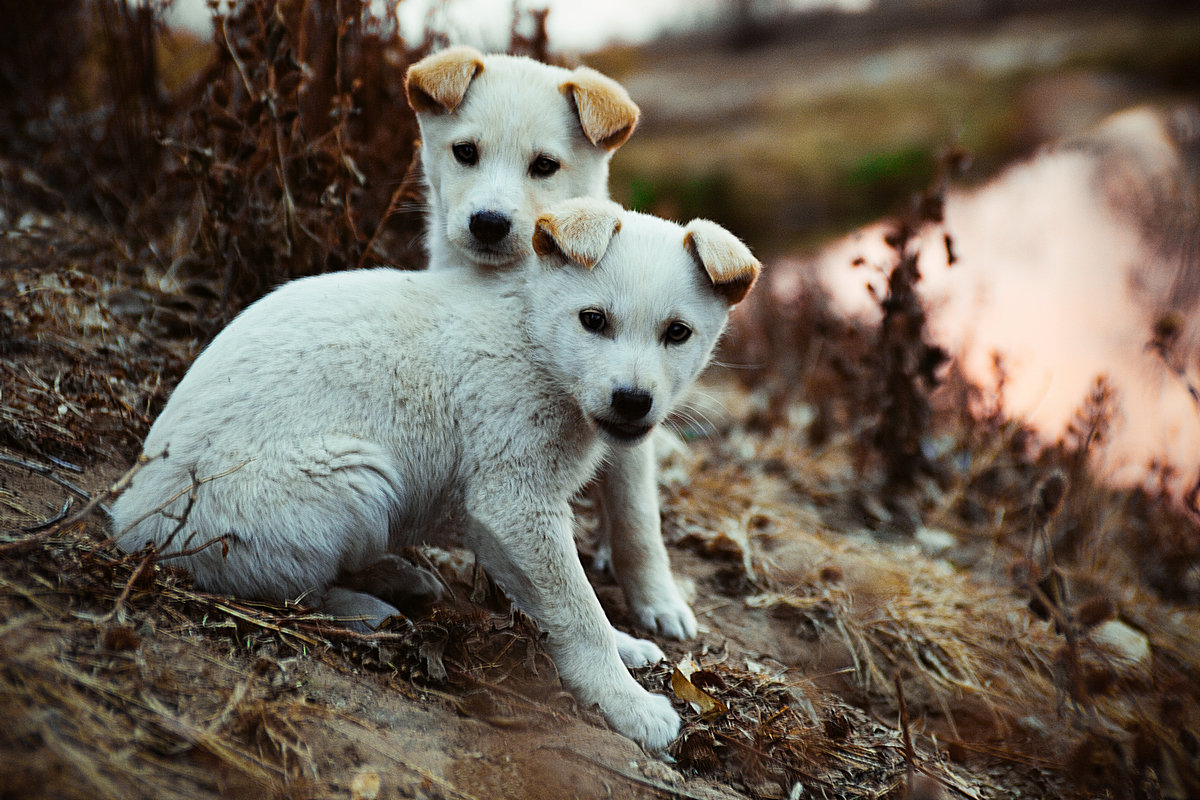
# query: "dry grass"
{"points": [[989, 681]]}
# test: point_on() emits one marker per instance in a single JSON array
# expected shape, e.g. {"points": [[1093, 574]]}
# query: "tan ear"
{"points": [[606, 112], [438, 83], [579, 230], [729, 264]]}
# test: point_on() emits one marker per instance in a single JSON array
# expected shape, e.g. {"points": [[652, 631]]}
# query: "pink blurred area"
{"points": [[1066, 262]]}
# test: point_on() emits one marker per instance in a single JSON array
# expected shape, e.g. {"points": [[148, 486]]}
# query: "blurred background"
{"points": [[1074, 207]]}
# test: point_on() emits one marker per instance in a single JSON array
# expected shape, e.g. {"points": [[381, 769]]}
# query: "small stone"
{"points": [[934, 541], [1124, 642], [365, 785]]}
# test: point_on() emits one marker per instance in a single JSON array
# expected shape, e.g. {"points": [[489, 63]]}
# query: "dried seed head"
{"points": [[1049, 496], [119, 638], [1098, 679], [697, 750], [1094, 610], [957, 752], [1166, 331], [1024, 571], [837, 726], [832, 574], [1050, 595]]}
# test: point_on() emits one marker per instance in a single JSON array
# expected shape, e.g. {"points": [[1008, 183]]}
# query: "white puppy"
{"points": [[353, 414], [501, 138]]}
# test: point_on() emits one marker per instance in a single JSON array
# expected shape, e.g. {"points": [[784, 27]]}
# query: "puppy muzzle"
{"points": [[627, 417], [623, 432]]}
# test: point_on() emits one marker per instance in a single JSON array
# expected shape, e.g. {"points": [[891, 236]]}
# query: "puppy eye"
{"points": [[677, 333], [543, 167], [466, 153], [592, 320]]}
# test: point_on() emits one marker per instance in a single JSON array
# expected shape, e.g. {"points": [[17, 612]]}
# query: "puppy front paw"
{"points": [[396, 581], [669, 616], [637, 652], [646, 718], [602, 561]]}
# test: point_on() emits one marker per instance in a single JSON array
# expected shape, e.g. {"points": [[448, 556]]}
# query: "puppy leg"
{"points": [[602, 561], [639, 557], [530, 552], [634, 652], [397, 582], [279, 525]]}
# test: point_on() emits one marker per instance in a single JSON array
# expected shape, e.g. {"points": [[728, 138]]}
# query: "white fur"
{"points": [[514, 111], [353, 414]]}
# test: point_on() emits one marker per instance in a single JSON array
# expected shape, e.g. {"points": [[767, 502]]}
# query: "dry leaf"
{"points": [[432, 653], [365, 786], [684, 689]]}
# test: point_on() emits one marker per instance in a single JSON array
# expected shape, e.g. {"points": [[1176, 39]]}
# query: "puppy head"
{"points": [[626, 308], [503, 137]]}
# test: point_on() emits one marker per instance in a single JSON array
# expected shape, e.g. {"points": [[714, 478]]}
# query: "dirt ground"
{"points": [[851, 646], [120, 680]]}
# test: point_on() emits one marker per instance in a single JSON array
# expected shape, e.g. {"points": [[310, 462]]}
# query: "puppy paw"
{"points": [[637, 652], [646, 718], [361, 613], [602, 561], [668, 616], [396, 581]]}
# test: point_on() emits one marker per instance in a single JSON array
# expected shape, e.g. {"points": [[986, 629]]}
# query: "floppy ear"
{"points": [[579, 230], [438, 83], [606, 112], [727, 262]]}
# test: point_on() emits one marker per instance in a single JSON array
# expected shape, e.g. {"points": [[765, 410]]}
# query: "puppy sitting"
{"points": [[353, 414]]}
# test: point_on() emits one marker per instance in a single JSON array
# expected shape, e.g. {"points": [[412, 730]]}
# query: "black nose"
{"points": [[489, 227], [631, 405]]}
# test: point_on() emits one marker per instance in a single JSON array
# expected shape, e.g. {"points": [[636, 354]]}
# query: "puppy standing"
{"points": [[502, 137], [353, 414]]}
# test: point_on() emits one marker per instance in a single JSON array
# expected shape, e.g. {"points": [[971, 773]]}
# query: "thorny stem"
{"points": [[191, 551], [237, 62], [46, 472], [394, 204], [344, 103], [1160, 344], [129, 584]]}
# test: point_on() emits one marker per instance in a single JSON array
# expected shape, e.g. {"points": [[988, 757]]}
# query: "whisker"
{"points": [[732, 365]]}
